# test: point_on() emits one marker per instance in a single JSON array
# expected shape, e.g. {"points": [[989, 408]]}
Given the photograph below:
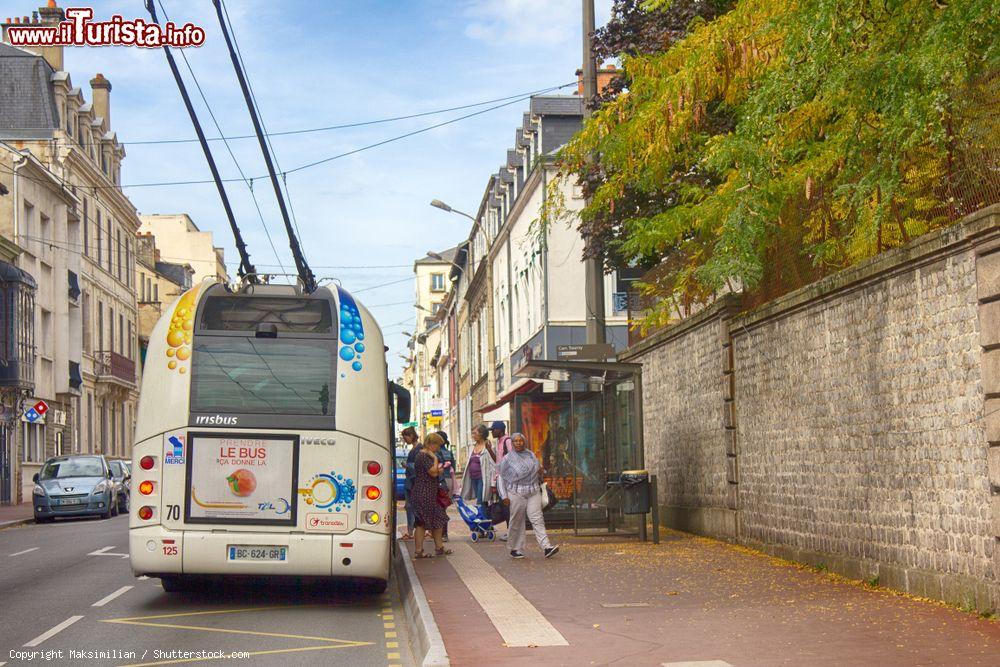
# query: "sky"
{"points": [[321, 63]]}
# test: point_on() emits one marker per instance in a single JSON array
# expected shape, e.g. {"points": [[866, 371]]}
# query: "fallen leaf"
{"points": [[597, 625]]}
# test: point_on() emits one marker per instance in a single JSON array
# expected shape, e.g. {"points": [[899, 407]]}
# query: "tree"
{"points": [[780, 141]]}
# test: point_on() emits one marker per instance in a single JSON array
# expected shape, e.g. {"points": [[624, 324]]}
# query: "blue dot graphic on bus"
{"points": [[331, 492], [352, 329]]}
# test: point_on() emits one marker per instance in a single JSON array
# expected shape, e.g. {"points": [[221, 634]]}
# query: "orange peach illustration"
{"points": [[242, 482]]}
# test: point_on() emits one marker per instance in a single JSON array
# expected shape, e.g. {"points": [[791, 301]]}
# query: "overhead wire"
{"points": [[324, 160], [215, 121], [342, 126], [267, 138]]}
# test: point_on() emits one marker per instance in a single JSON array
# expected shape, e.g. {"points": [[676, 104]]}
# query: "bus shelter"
{"points": [[585, 434]]}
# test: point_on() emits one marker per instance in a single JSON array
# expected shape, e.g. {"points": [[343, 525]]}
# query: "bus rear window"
{"points": [[246, 313], [278, 376]]}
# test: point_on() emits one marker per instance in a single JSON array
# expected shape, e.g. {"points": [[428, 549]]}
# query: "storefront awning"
{"points": [[521, 386]]}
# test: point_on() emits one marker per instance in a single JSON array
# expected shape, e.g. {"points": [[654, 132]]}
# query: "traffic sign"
{"points": [[437, 413], [589, 352]]}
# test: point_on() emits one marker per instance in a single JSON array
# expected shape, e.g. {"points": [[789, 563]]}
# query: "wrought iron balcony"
{"points": [[113, 367]]}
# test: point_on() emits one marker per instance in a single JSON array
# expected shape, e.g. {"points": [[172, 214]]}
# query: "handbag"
{"points": [[549, 498], [443, 498], [499, 513]]}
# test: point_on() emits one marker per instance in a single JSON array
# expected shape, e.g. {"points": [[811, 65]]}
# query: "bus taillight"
{"points": [[146, 487], [147, 462], [145, 512], [372, 493], [374, 468], [372, 518]]}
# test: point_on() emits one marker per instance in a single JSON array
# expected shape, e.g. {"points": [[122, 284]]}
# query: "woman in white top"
{"points": [[479, 468]]}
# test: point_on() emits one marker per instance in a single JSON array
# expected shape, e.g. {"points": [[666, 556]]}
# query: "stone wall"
{"points": [[854, 423], [684, 422]]}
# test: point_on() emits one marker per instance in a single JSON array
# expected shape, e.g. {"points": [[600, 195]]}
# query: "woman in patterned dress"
{"points": [[428, 513]]}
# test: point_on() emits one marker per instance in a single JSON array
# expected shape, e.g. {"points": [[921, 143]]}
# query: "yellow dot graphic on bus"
{"points": [[181, 327], [183, 370]]}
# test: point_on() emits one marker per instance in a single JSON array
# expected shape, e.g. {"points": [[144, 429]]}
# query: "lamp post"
{"points": [[437, 203], [440, 258]]}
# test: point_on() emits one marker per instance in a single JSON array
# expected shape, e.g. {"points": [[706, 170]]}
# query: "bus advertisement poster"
{"points": [[241, 479]]}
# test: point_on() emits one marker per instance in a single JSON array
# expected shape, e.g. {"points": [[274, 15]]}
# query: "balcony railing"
{"points": [[113, 367]]}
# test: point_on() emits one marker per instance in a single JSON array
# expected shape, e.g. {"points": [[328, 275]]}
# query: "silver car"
{"points": [[75, 486]]}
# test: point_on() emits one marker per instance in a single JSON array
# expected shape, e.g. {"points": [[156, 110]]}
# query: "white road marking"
{"points": [[105, 552], [698, 663], [142, 578], [19, 553], [516, 619], [108, 598], [53, 632]]}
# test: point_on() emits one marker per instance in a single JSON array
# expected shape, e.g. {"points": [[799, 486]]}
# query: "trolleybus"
{"points": [[264, 439]]}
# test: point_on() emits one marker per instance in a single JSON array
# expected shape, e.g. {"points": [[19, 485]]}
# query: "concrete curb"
{"points": [[427, 644], [16, 522]]}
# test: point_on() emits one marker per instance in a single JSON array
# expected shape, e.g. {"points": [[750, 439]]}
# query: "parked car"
{"points": [[81, 485], [400, 472], [122, 475]]}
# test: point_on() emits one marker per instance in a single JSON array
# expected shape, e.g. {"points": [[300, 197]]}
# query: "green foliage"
{"points": [[783, 140]]}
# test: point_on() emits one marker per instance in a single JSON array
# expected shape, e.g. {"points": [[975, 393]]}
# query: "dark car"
{"points": [[80, 485], [123, 482]]}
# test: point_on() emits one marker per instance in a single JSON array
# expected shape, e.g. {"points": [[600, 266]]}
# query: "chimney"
{"points": [[49, 15], [604, 77], [101, 90]]}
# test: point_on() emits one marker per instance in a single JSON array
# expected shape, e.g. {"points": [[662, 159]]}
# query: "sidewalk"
{"points": [[688, 600], [13, 515]]}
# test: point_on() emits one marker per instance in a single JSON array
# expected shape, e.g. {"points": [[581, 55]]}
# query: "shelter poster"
{"points": [[553, 431], [241, 479]]}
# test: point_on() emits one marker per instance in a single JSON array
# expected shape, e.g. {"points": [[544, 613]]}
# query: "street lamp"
{"points": [[407, 334], [437, 203]]}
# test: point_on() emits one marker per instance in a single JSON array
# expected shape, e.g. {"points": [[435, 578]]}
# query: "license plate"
{"points": [[257, 552], [68, 501]]}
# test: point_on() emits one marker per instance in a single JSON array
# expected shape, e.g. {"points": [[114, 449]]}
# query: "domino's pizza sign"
{"points": [[36, 413]]}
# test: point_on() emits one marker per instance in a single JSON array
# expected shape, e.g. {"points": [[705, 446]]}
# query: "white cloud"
{"points": [[548, 24]]}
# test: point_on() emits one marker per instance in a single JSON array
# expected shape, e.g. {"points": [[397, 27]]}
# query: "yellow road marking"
{"points": [[388, 617], [208, 613], [241, 632], [392, 656], [270, 652], [392, 644], [390, 635], [389, 626]]}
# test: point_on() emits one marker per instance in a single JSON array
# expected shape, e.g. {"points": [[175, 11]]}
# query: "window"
{"points": [[111, 243], [78, 466], [86, 229], [121, 334], [130, 337], [88, 334], [112, 443], [59, 444], [100, 326], [437, 282], [33, 437], [100, 240], [90, 422], [263, 375], [142, 287], [156, 293], [119, 271]]}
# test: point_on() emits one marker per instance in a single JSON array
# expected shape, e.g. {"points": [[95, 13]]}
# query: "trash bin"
{"points": [[635, 491]]}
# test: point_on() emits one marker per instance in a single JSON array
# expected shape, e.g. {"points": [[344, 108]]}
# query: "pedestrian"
{"points": [[428, 513], [520, 486], [409, 435], [499, 431], [479, 467], [447, 478]]}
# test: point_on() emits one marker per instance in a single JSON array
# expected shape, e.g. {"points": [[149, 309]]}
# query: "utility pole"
{"points": [[594, 267]]}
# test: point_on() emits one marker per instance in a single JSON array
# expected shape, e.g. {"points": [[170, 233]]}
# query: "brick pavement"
{"points": [[15, 514], [695, 599]]}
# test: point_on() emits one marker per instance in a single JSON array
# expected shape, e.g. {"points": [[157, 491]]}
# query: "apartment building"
{"points": [[160, 284], [73, 138], [179, 241]]}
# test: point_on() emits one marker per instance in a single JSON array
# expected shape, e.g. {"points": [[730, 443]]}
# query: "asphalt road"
{"points": [[68, 587]]}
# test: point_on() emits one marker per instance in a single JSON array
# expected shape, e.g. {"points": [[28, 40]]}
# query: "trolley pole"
{"points": [[593, 266]]}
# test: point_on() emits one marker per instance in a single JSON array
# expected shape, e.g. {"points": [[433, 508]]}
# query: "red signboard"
{"points": [[41, 407]]}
